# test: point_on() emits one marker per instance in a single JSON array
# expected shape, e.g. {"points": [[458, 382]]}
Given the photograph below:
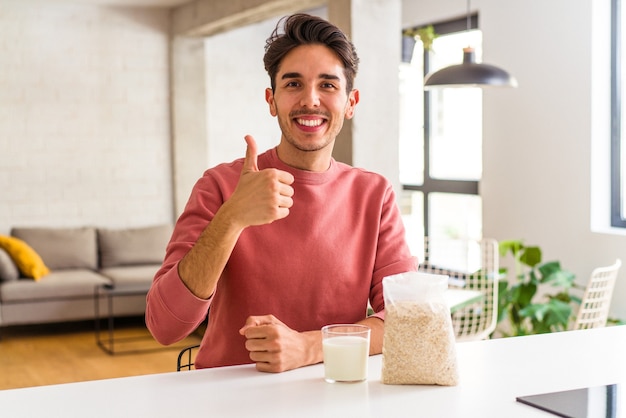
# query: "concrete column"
{"points": [[370, 139]]}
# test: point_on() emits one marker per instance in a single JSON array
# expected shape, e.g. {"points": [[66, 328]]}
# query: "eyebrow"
{"points": [[298, 75]]}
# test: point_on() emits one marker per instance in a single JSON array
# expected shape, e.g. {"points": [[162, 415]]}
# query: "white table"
{"points": [[493, 373]]}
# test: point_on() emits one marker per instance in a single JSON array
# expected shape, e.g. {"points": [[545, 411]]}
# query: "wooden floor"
{"points": [[63, 353]]}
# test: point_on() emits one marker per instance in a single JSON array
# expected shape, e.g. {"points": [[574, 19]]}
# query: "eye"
{"points": [[328, 85], [292, 83]]}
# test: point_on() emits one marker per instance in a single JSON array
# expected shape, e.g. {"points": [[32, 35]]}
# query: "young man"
{"points": [[280, 244]]}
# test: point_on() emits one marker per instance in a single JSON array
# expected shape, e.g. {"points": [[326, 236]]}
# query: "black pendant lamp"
{"points": [[469, 73]]}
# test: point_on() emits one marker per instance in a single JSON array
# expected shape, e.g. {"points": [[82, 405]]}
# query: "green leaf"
{"points": [[503, 300], [615, 321], [427, 35], [566, 279], [548, 317], [552, 272], [512, 246], [535, 311], [523, 293], [562, 296], [559, 313], [533, 277], [550, 267], [531, 256]]}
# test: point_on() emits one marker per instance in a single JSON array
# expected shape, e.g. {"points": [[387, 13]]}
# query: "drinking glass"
{"points": [[346, 351]]}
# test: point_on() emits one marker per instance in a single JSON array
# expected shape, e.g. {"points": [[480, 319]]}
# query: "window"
{"points": [[440, 142], [618, 116]]}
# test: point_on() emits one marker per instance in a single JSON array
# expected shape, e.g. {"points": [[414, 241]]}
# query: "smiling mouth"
{"points": [[310, 122]]}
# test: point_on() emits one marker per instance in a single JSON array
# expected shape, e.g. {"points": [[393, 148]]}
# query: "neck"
{"points": [[316, 161]]}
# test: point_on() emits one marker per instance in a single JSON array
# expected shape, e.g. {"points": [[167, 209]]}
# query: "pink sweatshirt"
{"points": [[319, 265]]}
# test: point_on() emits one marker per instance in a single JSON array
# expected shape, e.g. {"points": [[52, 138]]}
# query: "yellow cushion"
{"points": [[24, 257]]}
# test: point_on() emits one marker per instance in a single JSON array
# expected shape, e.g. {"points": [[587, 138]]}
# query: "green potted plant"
{"points": [[521, 309], [409, 37]]}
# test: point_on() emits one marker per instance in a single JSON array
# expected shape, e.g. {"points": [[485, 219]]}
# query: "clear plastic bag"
{"points": [[419, 343]]}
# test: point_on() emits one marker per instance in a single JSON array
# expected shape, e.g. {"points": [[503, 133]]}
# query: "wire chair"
{"points": [[186, 358], [595, 303], [473, 265]]}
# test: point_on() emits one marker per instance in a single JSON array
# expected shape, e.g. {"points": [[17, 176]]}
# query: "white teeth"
{"points": [[310, 122]]}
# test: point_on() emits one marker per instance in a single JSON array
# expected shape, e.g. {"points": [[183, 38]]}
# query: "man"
{"points": [[280, 244]]}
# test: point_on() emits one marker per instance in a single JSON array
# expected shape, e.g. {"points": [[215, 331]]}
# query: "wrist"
{"points": [[226, 219], [314, 353]]}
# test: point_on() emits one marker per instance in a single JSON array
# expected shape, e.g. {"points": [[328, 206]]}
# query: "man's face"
{"points": [[310, 98]]}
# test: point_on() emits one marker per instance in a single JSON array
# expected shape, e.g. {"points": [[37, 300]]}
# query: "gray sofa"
{"points": [[79, 260]]}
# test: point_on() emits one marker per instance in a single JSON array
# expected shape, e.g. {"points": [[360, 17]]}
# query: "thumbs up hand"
{"points": [[250, 163], [261, 196]]}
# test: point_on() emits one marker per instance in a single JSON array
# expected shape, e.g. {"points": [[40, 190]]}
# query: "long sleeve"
{"points": [[172, 311]]}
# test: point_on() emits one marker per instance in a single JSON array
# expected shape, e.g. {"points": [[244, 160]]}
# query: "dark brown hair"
{"points": [[302, 29]]}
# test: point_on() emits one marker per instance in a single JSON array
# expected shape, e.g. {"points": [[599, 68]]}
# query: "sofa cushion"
{"points": [[62, 248], [56, 285], [131, 275], [25, 258], [133, 246], [8, 269]]}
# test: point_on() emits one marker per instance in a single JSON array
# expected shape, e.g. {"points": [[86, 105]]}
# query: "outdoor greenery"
{"points": [[426, 34], [522, 310]]}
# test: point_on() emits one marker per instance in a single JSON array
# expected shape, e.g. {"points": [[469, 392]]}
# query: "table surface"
{"points": [[492, 374]]}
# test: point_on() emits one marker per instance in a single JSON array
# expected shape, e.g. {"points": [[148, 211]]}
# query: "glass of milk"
{"points": [[346, 351]]}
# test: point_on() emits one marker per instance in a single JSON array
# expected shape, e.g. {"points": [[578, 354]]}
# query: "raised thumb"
{"points": [[250, 163]]}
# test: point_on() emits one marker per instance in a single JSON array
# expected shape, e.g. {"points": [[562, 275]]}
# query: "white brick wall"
{"points": [[84, 115]]}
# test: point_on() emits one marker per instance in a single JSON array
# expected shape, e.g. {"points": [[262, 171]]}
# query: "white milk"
{"points": [[345, 358]]}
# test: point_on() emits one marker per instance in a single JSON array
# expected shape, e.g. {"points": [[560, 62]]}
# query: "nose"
{"points": [[310, 97]]}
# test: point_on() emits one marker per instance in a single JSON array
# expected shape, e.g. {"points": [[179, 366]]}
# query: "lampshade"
{"points": [[469, 74]]}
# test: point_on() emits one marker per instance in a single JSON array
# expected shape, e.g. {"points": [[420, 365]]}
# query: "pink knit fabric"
{"points": [[320, 265]]}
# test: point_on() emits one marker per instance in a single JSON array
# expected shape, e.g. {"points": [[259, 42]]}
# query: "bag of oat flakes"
{"points": [[419, 344]]}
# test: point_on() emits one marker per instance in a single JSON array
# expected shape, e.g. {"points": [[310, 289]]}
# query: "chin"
{"points": [[311, 147]]}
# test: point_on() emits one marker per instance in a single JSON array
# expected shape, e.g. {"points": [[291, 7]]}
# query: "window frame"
{"points": [[617, 188], [434, 185]]}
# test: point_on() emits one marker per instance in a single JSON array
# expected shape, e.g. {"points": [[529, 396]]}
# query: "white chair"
{"points": [[595, 303], [473, 265]]}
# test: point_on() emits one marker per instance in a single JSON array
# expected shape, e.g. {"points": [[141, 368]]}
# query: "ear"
{"points": [[269, 98], [353, 99]]}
